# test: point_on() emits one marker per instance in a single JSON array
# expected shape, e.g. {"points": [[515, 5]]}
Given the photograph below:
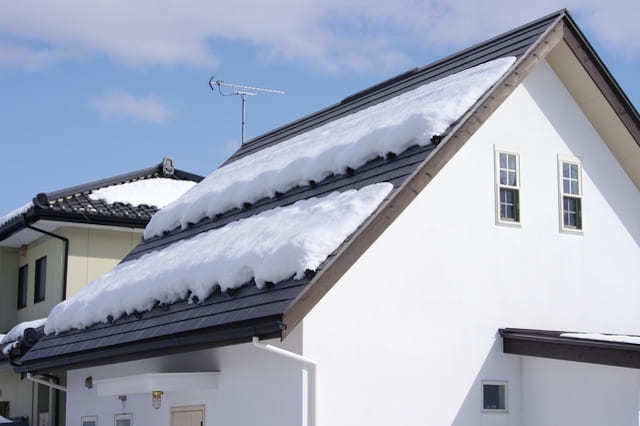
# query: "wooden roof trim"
{"points": [[403, 196], [552, 345], [602, 78]]}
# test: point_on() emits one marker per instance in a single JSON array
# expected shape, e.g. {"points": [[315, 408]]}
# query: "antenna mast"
{"points": [[243, 91]]}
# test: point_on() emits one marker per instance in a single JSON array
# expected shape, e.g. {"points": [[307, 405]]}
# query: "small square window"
{"points": [[90, 421], [23, 275], [507, 187], [494, 396], [124, 420], [41, 280]]}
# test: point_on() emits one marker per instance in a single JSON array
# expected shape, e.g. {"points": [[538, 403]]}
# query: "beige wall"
{"points": [[17, 392], [8, 287], [53, 249], [93, 252]]}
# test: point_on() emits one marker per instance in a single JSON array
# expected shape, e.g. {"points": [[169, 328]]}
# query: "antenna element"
{"points": [[243, 91]]}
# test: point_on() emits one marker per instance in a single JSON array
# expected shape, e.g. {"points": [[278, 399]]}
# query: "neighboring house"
{"points": [[411, 255], [52, 247]]}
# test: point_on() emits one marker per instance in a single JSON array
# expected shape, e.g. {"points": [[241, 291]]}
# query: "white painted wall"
{"points": [[409, 333], [254, 388], [569, 393]]}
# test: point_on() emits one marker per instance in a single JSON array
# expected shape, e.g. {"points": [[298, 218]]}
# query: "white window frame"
{"points": [[123, 416], [499, 221], [506, 395], [89, 419], [562, 159]]}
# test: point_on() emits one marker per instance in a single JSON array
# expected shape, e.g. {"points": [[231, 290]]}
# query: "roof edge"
{"points": [[602, 77], [552, 345], [455, 138], [264, 328]]}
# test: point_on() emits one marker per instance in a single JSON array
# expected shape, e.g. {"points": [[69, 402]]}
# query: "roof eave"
{"points": [[264, 328], [552, 345]]}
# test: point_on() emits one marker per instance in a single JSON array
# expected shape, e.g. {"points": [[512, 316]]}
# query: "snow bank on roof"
{"points": [[153, 192], [16, 332], [269, 247], [4, 420], [22, 209], [391, 126], [620, 338]]}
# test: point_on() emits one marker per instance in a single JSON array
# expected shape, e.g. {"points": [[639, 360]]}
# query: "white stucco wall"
{"points": [[568, 393], [254, 388], [410, 331]]}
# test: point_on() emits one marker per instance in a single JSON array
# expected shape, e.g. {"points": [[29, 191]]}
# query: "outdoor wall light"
{"points": [[156, 399]]}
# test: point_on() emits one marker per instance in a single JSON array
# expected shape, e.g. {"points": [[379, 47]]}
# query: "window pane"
{"points": [[574, 171], [40, 280], [566, 186], [572, 214], [574, 187], [88, 423], [494, 397], [509, 204], [511, 161], [565, 170], [503, 161], [23, 274], [503, 177], [512, 178], [123, 422]]}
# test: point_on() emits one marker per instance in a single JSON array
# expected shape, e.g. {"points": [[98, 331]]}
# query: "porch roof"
{"points": [[595, 348]]}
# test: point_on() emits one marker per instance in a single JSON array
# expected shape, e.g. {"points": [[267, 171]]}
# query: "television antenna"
{"points": [[243, 91]]}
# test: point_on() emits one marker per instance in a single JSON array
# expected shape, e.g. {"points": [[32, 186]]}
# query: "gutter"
{"points": [[66, 255], [309, 367]]}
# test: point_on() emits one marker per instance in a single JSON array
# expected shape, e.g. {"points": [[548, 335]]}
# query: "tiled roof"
{"points": [[75, 205]]}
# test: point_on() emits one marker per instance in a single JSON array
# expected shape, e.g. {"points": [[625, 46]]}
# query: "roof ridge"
{"points": [[123, 178]]}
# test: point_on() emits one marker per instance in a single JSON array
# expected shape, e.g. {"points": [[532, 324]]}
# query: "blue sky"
{"points": [[91, 89]]}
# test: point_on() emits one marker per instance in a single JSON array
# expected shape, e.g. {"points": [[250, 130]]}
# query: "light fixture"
{"points": [[156, 400]]}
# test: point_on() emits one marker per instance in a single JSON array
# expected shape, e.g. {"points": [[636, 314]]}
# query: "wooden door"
{"points": [[192, 415]]}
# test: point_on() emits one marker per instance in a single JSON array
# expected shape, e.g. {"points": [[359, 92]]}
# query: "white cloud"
{"points": [[18, 55], [334, 35], [125, 105]]}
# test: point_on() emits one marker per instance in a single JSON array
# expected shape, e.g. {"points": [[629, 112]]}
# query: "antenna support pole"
{"points": [[244, 105], [243, 91]]}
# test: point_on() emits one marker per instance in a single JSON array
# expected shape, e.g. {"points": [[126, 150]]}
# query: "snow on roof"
{"points": [[619, 338], [16, 332], [22, 209], [390, 126], [269, 247], [152, 192], [5, 420]]}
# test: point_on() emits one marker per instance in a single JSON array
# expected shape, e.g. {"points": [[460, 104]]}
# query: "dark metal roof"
{"points": [[75, 205], [259, 312], [552, 344]]}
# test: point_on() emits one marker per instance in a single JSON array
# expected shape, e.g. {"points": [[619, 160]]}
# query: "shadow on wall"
{"points": [[623, 199], [497, 366]]}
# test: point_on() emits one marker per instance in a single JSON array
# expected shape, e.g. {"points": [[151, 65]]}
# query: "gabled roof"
{"points": [[76, 204], [274, 311], [604, 349]]}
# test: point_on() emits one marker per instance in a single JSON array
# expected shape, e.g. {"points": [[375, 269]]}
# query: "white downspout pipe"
{"points": [[309, 366], [46, 383]]}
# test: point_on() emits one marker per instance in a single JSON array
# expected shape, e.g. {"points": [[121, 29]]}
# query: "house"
{"points": [[456, 245], [52, 247]]}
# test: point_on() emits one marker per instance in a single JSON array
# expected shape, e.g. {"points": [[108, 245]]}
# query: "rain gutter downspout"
{"points": [[309, 367], [66, 255]]}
